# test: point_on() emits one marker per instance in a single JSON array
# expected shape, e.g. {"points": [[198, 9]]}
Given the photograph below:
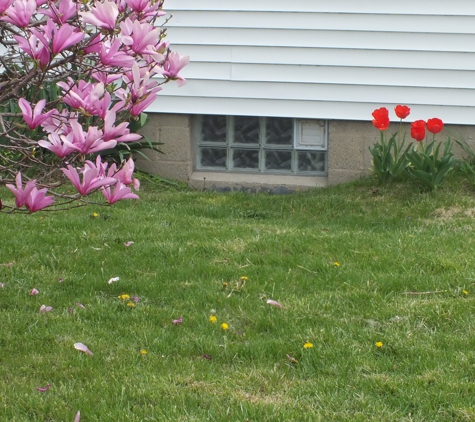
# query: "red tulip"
{"points": [[418, 130], [435, 125], [402, 111], [381, 118]]}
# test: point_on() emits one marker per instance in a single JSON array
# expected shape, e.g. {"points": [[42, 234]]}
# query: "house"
{"points": [[281, 93]]}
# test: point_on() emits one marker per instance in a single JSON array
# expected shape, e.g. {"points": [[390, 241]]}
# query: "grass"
{"points": [[351, 267]]}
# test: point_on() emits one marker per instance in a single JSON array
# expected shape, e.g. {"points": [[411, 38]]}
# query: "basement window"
{"points": [[275, 145]]}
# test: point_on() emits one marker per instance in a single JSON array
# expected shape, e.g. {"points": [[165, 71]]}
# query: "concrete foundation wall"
{"points": [[348, 155], [174, 132]]}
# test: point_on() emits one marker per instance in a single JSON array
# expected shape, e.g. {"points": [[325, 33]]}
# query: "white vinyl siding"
{"points": [[323, 60]]}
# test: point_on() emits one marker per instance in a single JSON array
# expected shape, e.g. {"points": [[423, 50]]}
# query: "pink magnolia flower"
{"points": [[111, 55], [86, 143], [65, 10], [34, 118], [139, 107], [59, 122], [172, 66], [138, 5], [120, 192], [102, 105], [139, 83], [142, 91], [35, 49], [4, 5], [93, 44], [105, 77], [140, 37], [20, 13], [91, 179], [145, 9], [119, 133], [37, 200], [125, 174], [104, 15], [56, 146], [65, 37], [83, 95], [21, 194]]}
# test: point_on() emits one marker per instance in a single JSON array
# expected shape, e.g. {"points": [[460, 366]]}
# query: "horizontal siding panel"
{"points": [[329, 57], [323, 21], [324, 39], [330, 75], [302, 109], [322, 59], [323, 92], [410, 7]]}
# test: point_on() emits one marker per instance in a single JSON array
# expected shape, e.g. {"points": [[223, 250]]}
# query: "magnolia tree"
{"points": [[74, 75]]}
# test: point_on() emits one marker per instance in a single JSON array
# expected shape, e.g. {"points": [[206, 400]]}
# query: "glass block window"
{"points": [[250, 144]]}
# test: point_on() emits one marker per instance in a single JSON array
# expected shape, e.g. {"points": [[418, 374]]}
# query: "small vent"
{"points": [[311, 135]]}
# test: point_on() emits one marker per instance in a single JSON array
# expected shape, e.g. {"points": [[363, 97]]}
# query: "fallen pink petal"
{"points": [[70, 310], [2, 285], [83, 348], [33, 292], [7, 265], [292, 359], [44, 389], [207, 357], [78, 416], [178, 321], [136, 299], [274, 303], [128, 243], [45, 308], [80, 305], [113, 279]]}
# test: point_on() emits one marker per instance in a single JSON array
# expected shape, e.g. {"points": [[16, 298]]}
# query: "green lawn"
{"points": [[351, 267]]}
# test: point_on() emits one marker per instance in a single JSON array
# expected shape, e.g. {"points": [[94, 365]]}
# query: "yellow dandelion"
{"points": [[131, 304], [224, 326], [124, 297], [308, 345], [244, 278], [378, 344], [143, 352], [95, 215], [465, 292], [213, 319], [225, 284], [336, 264]]}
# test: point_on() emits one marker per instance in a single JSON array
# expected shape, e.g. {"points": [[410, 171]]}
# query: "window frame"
{"points": [[261, 146]]}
